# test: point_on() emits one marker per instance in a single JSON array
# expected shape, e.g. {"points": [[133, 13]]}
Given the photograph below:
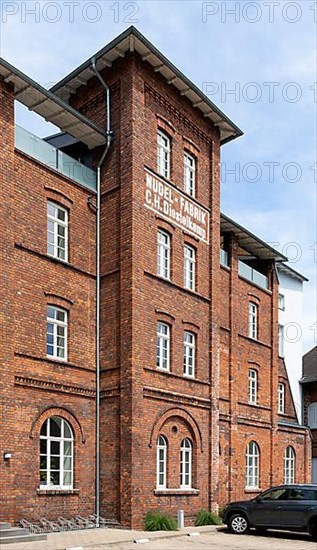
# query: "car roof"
{"points": [[291, 485]]}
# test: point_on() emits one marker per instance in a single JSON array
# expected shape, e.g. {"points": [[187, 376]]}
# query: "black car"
{"points": [[286, 507]]}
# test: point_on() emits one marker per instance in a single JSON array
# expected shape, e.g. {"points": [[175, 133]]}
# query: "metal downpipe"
{"points": [[98, 253]]}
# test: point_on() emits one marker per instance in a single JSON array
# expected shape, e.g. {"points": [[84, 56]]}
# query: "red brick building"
{"points": [[195, 407], [309, 392]]}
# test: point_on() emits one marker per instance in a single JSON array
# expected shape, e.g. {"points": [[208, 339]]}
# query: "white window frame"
{"points": [[48, 456], [253, 320], [252, 466], [163, 254], [189, 353], [189, 174], [281, 398], [55, 226], [289, 465], [56, 331], [281, 302], [281, 340], [161, 463], [163, 346], [253, 387], [163, 154], [186, 457], [189, 267]]}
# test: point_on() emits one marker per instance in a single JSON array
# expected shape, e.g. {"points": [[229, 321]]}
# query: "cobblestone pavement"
{"points": [[211, 538], [222, 540]]}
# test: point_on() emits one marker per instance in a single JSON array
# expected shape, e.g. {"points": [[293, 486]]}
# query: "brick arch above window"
{"points": [[165, 225], [59, 197], [165, 125], [190, 326], [176, 412], [165, 316], [58, 300], [254, 298], [190, 146], [63, 412], [254, 365]]}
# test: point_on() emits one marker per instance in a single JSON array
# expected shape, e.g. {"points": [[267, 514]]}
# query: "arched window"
{"points": [[312, 416], [56, 454], [186, 464], [252, 459], [161, 462], [289, 465]]}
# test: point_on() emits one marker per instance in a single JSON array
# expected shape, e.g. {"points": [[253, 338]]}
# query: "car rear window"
{"points": [[302, 494]]}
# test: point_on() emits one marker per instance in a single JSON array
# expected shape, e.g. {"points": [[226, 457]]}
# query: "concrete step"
{"points": [[22, 538], [4, 525], [13, 532]]}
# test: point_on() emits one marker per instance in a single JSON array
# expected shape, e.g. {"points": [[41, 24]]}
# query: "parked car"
{"points": [[286, 507]]}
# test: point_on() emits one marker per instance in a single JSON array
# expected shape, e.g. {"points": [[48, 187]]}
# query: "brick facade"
{"points": [[138, 401]]}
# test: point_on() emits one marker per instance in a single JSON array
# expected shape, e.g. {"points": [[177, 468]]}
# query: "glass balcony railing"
{"points": [[224, 257], [47, 154], [253, 275]]}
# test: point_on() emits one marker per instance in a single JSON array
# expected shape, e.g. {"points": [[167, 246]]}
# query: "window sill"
{"points": [[56, 491], [192, 293], [52, 257], [176, 492], [57, 359], [254, 340], [252, 490]]}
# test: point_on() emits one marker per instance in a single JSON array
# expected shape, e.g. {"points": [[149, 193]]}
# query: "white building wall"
{"points": [[292, 321]]}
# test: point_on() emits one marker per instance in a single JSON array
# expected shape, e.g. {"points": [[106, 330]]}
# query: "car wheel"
{"points": [[238, 524]]}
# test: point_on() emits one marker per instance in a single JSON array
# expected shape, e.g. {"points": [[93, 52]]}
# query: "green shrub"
{"points": [[157, 521], [204, 517]]}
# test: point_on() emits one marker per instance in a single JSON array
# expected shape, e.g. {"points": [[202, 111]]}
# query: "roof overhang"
{"points": [[250, 242], [50, 107], [292, 273], [132, 40]]}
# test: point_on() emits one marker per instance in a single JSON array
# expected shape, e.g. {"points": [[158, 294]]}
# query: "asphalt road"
{"points": [[223, 540]]}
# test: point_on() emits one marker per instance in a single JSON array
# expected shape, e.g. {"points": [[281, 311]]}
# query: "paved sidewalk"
{"points": [[95, 538]]}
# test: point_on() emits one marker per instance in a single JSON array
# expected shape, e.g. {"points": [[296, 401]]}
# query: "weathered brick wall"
{"points": [[37, 387], [138, 403]]}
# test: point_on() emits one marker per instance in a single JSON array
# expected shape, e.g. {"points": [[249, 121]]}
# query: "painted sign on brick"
{"points": [[176, 207]]}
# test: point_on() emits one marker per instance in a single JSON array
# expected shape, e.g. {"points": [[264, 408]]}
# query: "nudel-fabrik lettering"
{"points": [[174, 206]]}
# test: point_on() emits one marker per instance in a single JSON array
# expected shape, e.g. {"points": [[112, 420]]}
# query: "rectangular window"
{"points": [[189, 267], [56, 333], [163, 254], [281, 398], [281, 340], [163, 154], [189, 353], [163, 346], [189, 173], [253, 320], [57, 231], [281, 302], [253, 386]]}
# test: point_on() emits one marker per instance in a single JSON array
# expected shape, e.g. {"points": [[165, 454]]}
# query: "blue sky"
{"points": [[264, 52]]}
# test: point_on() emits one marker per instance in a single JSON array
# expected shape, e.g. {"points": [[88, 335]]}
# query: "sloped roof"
{"points": [[290, 271], [310, 366], [132, 40], [251, 243], [50, 107]]}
